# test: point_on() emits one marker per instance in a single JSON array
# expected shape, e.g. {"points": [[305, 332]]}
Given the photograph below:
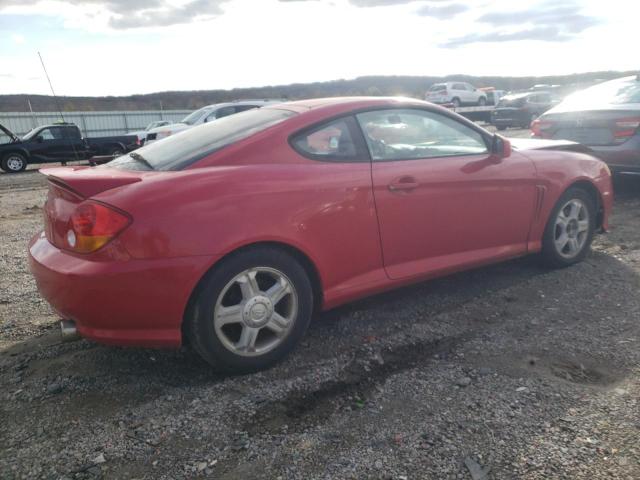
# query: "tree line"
{"points": [[412, 86]]}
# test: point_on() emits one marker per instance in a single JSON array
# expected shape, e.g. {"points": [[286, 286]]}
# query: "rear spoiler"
{"points": [[87, 181]]}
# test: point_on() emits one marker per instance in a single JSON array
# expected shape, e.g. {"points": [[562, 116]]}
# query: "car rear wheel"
{"points": [[532, 119], [13, 163], [482, 101], [116, 152], [251, 310], [501, 127], [570, 229]]}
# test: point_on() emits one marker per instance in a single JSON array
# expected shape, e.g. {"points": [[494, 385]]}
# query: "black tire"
{"points": [[501, 128], [456, 102], [550, 252], [116, 152], [13, 162], [482, 101], [199, 325], [532, 118]]}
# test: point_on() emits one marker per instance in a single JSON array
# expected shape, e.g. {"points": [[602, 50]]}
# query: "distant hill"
{"points": [[370, 85]]}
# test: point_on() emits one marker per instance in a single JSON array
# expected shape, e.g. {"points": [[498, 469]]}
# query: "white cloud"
{"points": [[267, 42]]}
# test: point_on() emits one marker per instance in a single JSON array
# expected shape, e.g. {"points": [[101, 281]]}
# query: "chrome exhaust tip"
{"points": [[68, 331]]}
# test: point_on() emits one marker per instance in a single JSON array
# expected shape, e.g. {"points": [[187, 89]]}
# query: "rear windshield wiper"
{"points": [[141, 159]]}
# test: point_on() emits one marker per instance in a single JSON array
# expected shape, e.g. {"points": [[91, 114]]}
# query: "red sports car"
{"points": [[233, 233]]}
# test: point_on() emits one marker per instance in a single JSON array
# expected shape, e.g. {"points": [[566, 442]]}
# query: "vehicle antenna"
{"points": [[55, 99]]}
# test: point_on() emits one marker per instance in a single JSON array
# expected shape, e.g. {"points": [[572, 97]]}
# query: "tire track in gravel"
{"points": [[301, 410]]}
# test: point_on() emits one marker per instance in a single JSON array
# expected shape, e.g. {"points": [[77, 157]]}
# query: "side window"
{"points": [[57, 132], [329, 141], [46, 134], [71, 133], [225, 112], [458, 86], [242, 108], [407, 134]]}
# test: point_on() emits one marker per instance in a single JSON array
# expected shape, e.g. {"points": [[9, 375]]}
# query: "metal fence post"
{"points": [[83, 120]]}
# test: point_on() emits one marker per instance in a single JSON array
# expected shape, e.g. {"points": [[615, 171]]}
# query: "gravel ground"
{"points": [[506, 372]]}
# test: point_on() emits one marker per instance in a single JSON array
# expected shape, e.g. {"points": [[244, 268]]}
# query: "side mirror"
{"points": [[500, 147]]}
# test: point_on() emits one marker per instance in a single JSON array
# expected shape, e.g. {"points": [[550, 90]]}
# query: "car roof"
{"points": [[349, 103], [241, 102]]}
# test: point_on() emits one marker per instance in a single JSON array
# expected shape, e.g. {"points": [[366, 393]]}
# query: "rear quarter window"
{"points": [[186, 148]]}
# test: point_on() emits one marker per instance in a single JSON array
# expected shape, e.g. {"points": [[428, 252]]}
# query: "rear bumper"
{"points": [[131, 302], [620, 158]]}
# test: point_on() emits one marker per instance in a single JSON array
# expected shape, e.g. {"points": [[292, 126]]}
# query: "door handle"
{"points": [[403, 184]]}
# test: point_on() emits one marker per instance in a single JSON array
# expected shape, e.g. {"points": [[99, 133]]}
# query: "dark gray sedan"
{"points": [[605, 117]]}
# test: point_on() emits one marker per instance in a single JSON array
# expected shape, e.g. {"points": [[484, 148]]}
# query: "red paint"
{"points": [[448, 214]]}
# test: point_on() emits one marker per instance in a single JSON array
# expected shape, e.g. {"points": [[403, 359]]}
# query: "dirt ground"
{"points": [[506, 372]]}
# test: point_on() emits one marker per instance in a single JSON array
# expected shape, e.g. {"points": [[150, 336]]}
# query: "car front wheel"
{"points": [[251, 310], [13, 163], [570, 229]]}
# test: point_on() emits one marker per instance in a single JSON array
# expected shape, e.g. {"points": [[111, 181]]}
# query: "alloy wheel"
{"points": [[255, 311], [15, 163], [571, 228]]}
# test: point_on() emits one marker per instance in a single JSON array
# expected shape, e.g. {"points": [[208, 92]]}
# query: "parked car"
{"points": [[605, 117], [142, 134], [520, 109], [456, 94], [204, 115], [234, 233], [59, 143], [494, 96]]}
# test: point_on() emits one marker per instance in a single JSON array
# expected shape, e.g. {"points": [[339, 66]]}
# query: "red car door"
{"points": [[443, 201]]}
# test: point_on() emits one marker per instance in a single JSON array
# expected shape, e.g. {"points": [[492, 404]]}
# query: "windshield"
{"points": [[30, 133], [193, 117], [617, 92], [185, 148]]}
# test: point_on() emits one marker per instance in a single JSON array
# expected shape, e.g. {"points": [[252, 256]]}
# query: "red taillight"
{"points": [[626, 127], [540, 128], [92, 225]]}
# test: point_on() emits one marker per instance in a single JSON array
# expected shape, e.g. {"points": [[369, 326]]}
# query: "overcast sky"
{"points": [[121, 47]]}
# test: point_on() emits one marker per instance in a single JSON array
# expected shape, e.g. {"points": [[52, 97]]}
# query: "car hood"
{"points": [[174, 127], [10, 134], [540, 144]]}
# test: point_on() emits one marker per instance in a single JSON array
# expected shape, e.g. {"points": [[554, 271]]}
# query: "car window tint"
{"points": [[224, 112], [53, 133], [406, 134], [458, 86], [70, 133], [242, 108], [179, 151], [331, 140]]}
